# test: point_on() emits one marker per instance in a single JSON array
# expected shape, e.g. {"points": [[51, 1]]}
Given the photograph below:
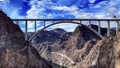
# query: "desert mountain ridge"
{"points": [[80, 49]]}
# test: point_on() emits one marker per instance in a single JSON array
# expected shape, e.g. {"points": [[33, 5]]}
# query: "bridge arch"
{"points": [[93, 30]]}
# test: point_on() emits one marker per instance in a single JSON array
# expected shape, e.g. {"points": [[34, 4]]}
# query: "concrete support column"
{"points": [[80, 22], [90, 23], [26, 28], [17, 22], [117, 28], [99, 30], [35, 26], [44, 23], [53, 21], [108, 28]]}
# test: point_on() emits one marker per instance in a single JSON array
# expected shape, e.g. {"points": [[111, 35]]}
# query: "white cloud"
{"points": [[75, 11], [65, 8], [31, 25], [102, 5], [39, 7], [66, 26], [82, 15], [97, 6], [40, 28], [92, 1], [35, 12], [100, 15], [112, 9], [14, 14], [112, 3]]}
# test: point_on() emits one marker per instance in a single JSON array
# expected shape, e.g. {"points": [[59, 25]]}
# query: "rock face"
{"points": [[64, 48], [96, 53], [56, 35], [109, 54], [105, 54], [48, 41], [81, 49], [80, 36], [15, 52]]}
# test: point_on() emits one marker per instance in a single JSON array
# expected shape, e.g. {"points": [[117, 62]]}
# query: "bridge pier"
{"points": [[44, 23], [108, 28], [99, 29], [35, 26], [17, 22], [53, 21], [117, 28], [90, 23], [80, 22], [26, 28]]}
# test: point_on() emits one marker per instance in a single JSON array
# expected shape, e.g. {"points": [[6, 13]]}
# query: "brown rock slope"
{"points": [[71, 51], [109, 54], [80, 36], [14, 51], [84, 49], [105, 54]]}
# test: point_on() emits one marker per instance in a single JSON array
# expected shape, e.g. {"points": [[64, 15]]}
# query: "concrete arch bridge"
{"points": [[74, 21]]}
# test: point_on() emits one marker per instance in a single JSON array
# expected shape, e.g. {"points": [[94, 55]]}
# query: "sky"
{"points": [[60, 9]]}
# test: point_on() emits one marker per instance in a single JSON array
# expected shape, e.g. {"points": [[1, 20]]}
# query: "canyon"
{"points": [[81, 48], [57, 48]]}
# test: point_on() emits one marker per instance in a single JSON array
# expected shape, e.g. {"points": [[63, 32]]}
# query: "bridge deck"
{"points": [[66, 19]]}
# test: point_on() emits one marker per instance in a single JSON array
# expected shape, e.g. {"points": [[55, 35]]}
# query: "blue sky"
{"points": [[60, 9]]}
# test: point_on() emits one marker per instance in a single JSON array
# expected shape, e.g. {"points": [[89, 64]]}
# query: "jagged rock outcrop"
{"points": [[48, 41], [80, 36], [105, 54], [71, 50], [53, 36], [109, 53], [15, 52], [96, 53], [79, 45], [82, 49]]}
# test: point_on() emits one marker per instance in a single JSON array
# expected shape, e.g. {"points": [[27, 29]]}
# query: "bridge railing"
{"points": [[99, 21]]}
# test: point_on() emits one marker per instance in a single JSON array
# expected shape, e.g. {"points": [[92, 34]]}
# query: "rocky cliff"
{"points": [[15, 52], [105, 54], [48, 41], [65, 48], [81, 49]]}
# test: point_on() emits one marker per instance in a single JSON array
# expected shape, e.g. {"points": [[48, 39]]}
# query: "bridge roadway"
{"points": [[74, 21]]}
